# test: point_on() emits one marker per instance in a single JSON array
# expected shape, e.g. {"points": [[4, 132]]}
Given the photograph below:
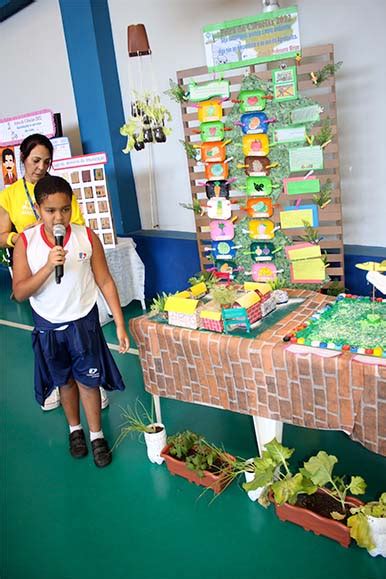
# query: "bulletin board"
{"points": [[86, 174], [330, 218]]}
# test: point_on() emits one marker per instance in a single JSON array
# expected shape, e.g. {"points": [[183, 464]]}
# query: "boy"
{"points": [[69, 346]]}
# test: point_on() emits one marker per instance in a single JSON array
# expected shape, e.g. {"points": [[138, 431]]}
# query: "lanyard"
{"points": [[30, 200]]}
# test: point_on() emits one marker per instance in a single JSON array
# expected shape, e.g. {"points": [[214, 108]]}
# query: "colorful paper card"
{"points": [[308, 271], [255, 145], [251, 100], [285, 86], [306, 114], [301, 186], [209, 111], [289, 134], [302, 251], [212, 131], [208, 90], [294, 217], [306, 158]]}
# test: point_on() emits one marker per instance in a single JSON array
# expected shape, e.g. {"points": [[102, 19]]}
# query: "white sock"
{"points": [[95, 435], [77, 427]]}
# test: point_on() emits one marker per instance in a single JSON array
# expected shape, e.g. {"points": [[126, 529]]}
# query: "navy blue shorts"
{"points": [[79, 351]]}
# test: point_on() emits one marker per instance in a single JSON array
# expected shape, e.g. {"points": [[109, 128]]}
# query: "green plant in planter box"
{"points": [[157, 307], [318, 469], [358, 522], [198, 454]]}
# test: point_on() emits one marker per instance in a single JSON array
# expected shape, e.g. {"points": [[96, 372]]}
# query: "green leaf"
{"points": [[319, 468], [357, 485], [360, 531], [277, 452], [286, 490]]}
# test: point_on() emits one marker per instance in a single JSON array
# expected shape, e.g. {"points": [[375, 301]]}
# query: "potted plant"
{"points": [[367, 526], [189, 455], [157, 307], [224, 295], [312, 497], [138, 420], [278, 292]]}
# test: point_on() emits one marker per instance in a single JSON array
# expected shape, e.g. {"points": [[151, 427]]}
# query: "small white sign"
{"points": [[13, 130]]}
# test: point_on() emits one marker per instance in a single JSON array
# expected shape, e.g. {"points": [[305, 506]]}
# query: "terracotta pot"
{"points": [[213, 481], [319, 525], [137, 40]]}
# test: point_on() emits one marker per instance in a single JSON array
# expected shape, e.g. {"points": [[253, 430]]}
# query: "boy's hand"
{"points": [[123, 338], [57, 256]]}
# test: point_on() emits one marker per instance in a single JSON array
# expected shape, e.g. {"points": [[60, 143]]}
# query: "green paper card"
{"points": [[213, 88], [297, 186], [289, 134], [306, 114], [306, 159], [285, 86]]}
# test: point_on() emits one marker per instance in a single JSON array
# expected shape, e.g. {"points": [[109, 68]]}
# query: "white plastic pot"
{"points": [[155, 442], [249, 476], [378, 533]]}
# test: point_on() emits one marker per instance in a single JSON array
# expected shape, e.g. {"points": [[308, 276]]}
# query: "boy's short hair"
{"points": [[49, 185]]}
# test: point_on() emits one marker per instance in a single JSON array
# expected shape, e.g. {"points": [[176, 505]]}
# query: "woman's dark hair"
{"points": [[33, 141], [49, 185]]}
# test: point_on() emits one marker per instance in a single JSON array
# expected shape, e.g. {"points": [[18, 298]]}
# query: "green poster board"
{"points": [[263, 38]]}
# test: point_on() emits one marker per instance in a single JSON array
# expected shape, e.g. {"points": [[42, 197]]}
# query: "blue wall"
{"points": [[171, 257]]}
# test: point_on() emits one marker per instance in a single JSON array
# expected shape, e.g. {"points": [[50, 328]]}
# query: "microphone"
{"points": [[59, 233]]}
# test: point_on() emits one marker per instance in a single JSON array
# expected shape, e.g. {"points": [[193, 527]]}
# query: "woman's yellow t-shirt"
{"points": [[16, 203]]}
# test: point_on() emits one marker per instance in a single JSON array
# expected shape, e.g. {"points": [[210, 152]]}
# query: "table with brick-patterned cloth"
{"points": [[260, 377]]}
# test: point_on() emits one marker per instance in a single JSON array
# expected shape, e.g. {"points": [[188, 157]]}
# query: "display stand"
{"points": [[330, 218]]}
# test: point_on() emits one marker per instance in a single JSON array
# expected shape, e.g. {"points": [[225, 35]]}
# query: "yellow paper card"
{"points": [[292, 219], [308, 271], [302, 251]]}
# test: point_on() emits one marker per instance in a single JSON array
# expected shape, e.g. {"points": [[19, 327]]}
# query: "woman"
{"points": [[17, 209]]}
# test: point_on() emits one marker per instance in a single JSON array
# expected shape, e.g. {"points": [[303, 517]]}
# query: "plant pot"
{"points": [[155, 442], [216, 482], [159, 135], [147, 136], [378, 535], [249, 476], [138, 145], [319, 525]]}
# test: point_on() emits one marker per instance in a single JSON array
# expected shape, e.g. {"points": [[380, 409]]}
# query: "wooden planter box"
{"points": [[210, 480], [319, 525]]}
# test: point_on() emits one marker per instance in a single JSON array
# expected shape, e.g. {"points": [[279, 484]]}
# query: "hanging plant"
{"points": [[147, 122]]}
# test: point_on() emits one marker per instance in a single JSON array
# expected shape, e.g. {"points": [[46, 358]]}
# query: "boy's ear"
{"points": [[37, 209]]}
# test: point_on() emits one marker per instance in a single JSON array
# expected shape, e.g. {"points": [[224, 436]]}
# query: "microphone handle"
{"points": [[59, 271]]}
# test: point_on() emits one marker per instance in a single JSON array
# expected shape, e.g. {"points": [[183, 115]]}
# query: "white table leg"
{"points": [[157, 408], [265, 430]]}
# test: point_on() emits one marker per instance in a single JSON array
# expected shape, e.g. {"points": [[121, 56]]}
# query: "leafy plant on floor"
{"points": [[359, 524], [272, 472], [319, 470], [136, 420]]}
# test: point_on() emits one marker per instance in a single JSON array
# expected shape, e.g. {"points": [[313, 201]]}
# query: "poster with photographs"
{"points": [[86, 175]]}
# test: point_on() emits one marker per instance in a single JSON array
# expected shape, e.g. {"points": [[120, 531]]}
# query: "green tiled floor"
{"points": [[65, 519]]}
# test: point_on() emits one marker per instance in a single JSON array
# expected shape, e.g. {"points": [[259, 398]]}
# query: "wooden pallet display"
{"points": [[330, 218]]}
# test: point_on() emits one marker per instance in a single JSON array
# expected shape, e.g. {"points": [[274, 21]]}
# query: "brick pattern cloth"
{"points": [[260, 377]]}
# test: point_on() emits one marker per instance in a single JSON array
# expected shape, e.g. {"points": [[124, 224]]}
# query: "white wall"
{"points": [[38, 67], [355, 28], [41, 79]]}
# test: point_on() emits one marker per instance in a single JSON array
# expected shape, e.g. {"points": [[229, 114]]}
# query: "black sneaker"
{"points": [[78, 446], [101, 451]]}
